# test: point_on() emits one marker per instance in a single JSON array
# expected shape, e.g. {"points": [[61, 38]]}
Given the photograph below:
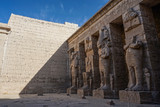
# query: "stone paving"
{"points": [[62, 100]]}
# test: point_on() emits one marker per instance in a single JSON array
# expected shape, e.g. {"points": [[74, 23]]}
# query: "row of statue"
{"points": [[134, 62]]}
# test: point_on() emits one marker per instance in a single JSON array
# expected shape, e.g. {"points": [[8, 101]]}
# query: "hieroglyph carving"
{"points": [[104, 51], [134, 55]]}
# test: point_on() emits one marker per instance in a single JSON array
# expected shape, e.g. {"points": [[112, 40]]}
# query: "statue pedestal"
{"points": [[72, 90], [139, 97], [84, 92], [104, 94]]}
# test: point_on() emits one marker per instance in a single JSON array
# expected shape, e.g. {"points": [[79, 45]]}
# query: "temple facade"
{"points": [[116, 53]]}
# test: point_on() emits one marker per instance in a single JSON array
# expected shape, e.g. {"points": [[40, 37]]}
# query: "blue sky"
{"points": [[59, 11]]}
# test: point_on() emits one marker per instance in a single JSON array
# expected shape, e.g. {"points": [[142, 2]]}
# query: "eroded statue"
{"points": [[134, 55], [74, 68], [104, 58], [88, 61]]}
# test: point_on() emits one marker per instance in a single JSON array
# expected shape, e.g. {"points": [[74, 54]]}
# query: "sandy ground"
{"points": [[61, 100]]}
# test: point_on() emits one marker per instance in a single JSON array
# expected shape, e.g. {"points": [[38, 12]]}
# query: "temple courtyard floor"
{"points": [[62, 100]]}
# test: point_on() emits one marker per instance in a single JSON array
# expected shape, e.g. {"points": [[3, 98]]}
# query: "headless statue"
{"points": [[134, 63]]}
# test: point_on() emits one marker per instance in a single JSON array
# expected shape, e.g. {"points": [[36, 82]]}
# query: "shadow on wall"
{"points": [[53, 77]]}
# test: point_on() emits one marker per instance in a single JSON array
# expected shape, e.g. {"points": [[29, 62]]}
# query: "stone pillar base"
{"points": [[140, 97], [84, 92], [106, 94], [72, 90]]}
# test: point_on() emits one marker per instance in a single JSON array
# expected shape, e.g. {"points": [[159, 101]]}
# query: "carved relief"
{"points": [[131, 19], [134, 55], [104, 58]]}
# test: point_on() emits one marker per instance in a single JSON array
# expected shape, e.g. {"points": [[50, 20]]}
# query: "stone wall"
{"points": [[36, 56], [4, 30]]}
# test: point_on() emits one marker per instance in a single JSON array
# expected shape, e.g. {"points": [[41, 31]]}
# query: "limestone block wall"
{"points": [[4, 31], [36, 56]]}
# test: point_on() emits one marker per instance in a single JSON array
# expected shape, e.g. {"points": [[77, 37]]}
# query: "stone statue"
{"points": [[74, 68], [147, 78], [104, 58], [88, 60], [134, 55]]}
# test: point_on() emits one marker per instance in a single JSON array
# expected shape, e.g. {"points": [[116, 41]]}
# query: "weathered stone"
{"points": [[104, 46], [134, 55], [72, 90], [139, 97], [39, 91], [111, 102], [84, 92], [105, 94], [97, 63], [74, 66]]}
